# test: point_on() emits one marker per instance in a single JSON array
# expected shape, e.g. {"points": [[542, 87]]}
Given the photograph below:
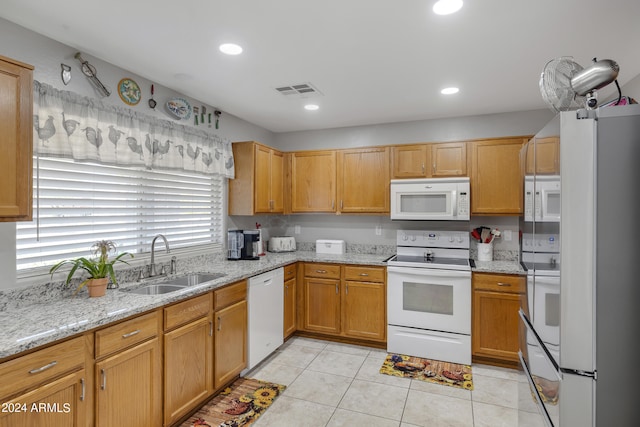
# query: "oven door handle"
{"points": [[418, 271]]}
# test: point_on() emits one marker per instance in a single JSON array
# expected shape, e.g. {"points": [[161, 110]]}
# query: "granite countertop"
{"points": [[499, 266], [26, 325]]}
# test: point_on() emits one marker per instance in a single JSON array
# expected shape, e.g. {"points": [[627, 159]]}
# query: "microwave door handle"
{"points": [[454, 204]]}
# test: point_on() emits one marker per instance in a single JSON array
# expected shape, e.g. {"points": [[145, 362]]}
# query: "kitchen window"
{"points": [[76, 204]]}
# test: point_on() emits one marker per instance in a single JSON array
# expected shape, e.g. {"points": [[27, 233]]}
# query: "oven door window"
{"points": [[425, 203], [427, 298]]}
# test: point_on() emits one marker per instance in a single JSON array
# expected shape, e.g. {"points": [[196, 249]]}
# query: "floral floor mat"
{"points": [[433, 371], [238, 405]]}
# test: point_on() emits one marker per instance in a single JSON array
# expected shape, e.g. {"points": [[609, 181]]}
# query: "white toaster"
{"points": [[282, 244]]}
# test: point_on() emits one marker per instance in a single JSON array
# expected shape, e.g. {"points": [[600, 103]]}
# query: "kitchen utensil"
{"points": [[90, 71], [203, 110], [152, 102], [476, 234], [486, 232], [65, 74]]}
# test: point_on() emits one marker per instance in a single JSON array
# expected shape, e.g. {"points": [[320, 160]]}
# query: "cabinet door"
{"points": [[188, 367], [410, 161], [230, 346], [129, 387], [363, 180], [496, 177], [289, 307], [495, 325], [59, 403], [16, 140], [262, 179], [364, 310], [322, 305], [449, 159], [313, 181], [547, 156], [277, 182]]}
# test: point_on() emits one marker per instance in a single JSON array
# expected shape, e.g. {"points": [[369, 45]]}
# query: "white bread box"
{"points": [[337, 247]]}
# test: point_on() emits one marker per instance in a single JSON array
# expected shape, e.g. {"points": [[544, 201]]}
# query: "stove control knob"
{"points": [[413, 238], [404, 237], [451, 239], [460, 238]]}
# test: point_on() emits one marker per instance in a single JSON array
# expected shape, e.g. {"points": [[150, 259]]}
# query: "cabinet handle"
{"points": [[346, 289], [504, 284], [103, 386], [82, 392], [423, 168], [210, 328], [433, 168], [333, 204], [364, 274], [219, 323], [341, 204], [43, 368], [132, 333], [337, 289], [321, 271]]}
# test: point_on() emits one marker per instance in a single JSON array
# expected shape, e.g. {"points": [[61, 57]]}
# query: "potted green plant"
{"points": [[100, 269]]}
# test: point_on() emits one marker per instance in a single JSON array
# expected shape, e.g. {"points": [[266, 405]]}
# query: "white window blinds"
{"points": [[77, 204]]}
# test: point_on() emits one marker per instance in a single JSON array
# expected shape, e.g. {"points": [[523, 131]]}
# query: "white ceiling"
{"points": [[374, 61]]}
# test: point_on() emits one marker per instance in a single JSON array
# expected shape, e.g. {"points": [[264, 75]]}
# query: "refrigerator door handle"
{"points": [[593, 375]]}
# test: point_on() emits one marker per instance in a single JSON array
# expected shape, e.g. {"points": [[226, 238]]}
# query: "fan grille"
{"points": [[555, 84]]}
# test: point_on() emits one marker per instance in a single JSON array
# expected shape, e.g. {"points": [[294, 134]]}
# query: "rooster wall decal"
{"points": [[193, 154], [45, 132], [207, 159]]}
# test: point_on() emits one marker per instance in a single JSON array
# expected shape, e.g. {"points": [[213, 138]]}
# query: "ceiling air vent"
{"points": [[303, 90]]}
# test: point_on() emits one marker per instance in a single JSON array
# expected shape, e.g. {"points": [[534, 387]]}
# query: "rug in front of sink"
{"points": [[433, 371], [238, 405]]}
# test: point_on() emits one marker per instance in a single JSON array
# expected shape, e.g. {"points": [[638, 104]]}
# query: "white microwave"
{"points": [[442, 199], [542, 198]]}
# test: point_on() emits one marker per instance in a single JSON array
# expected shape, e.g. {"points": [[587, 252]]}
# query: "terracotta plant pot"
{"points": [[97, 287]]}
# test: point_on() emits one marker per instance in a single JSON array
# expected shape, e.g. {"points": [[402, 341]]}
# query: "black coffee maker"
{"points": [[243, 244]]}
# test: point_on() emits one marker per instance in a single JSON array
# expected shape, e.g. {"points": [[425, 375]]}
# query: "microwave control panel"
{"points": [[463, 205]]}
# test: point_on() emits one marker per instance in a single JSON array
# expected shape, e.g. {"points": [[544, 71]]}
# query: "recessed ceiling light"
{"points": [[449, 90], [311, 107], [231, 49], [446, 7]]}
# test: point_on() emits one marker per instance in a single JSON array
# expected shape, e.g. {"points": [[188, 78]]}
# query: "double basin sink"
{"points": [[174, 284]]}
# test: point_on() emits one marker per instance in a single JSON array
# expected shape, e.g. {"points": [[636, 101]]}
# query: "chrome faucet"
{"points": [[152, 266]]}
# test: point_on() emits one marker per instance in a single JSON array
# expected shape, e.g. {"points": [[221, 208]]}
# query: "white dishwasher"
{"points": [[266, 311]]}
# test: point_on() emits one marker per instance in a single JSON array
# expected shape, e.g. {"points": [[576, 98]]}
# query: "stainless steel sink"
{"points": [[157, 289], [174, 284], [193, 279]]}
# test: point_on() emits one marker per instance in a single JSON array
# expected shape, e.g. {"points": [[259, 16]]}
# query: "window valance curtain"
{"points": [[84, 129]]}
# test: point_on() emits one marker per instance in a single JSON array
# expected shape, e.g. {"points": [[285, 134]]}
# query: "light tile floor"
{"points": [[335, 385]]}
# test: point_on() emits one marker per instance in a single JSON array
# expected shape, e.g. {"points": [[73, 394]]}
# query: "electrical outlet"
{"points": [[507, 235], [296, 229], [378, 230]]}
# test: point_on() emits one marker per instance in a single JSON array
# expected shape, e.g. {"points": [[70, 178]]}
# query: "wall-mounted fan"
{"points": [[566, 85]]}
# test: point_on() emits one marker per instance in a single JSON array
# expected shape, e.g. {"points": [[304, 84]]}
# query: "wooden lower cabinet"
{"points": [[290, 300], [350, 305], [188, 368], [496, 301], [230, 342], [59, 403], [129, 387]]}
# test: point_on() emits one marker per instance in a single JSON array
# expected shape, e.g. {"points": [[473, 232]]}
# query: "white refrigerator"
{"points": [[591, 378]]}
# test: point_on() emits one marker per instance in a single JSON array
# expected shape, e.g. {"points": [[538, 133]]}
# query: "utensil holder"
{"points": [[485, 251]]}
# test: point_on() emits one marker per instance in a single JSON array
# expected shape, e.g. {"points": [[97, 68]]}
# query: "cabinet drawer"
{"points": [[125, 334], [186, 311], [329, 271], [364, 274], [36, 368], [499, 282], [229, 295], [289, 271]]}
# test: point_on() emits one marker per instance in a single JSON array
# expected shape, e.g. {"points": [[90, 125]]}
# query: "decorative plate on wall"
{"points": [[179, 108], [129, 91]]}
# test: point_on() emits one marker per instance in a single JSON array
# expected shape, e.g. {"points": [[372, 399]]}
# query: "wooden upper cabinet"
{"points": [[16, 140], [258, 186], [449, 159], [433, 160], [410, 161], [313, 181], [363, 180], [547, 156], [496, 177]]}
